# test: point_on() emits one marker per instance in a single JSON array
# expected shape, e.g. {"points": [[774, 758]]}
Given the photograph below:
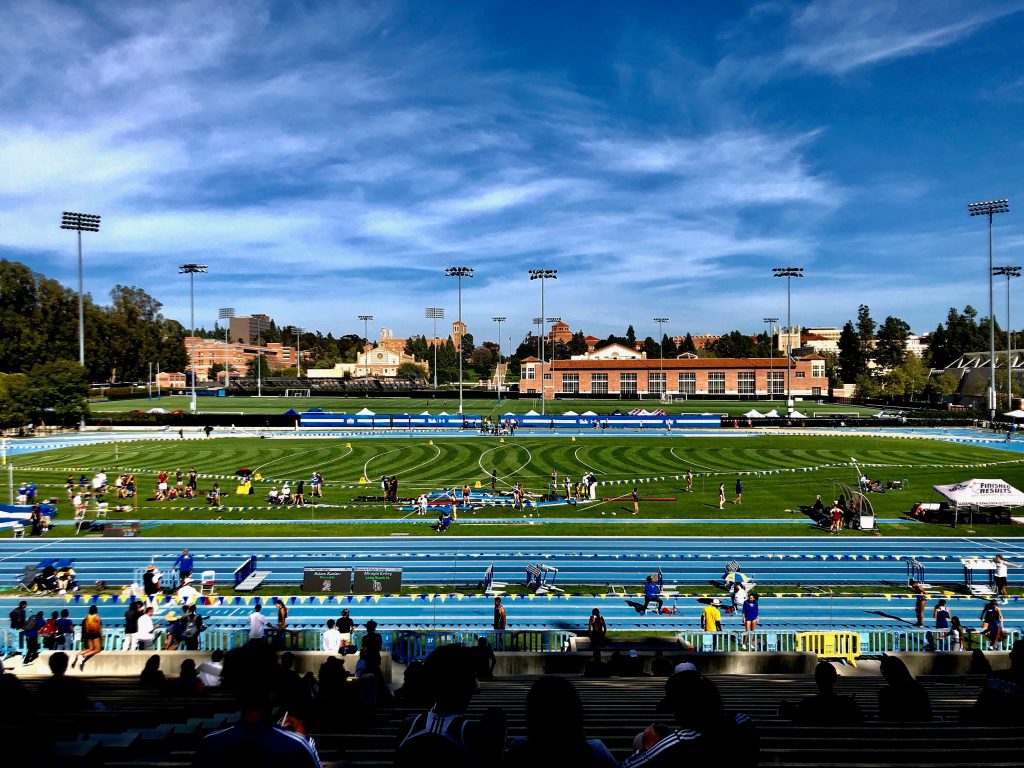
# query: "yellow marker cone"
{"points": [[501, 440], [477, 484], [362, 480], [348, 445], [574, 439], [430, 442]]}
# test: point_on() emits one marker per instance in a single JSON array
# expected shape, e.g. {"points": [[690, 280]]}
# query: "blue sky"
{"points": [[331, 159]]}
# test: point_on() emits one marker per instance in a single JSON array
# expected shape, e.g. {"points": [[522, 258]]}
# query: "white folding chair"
{"points": [[207, 582], [101, 509], [79, 520]]}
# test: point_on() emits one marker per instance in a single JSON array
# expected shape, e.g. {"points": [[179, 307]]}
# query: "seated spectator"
{"points": [[18, 705], [151, 581], [49, 632], [554, 731], [255, 739], [175, 632], [415, 691], [634, 664], [595, 667], [146, 635], [445, 735], [60, 694], [903, 699], [826, 707], [661, 666], [152, 676], [331, 638], [702, 728], [484, 660], [1002, 697], [210, 670], [617, 664], [187, 592], [188, 683]]}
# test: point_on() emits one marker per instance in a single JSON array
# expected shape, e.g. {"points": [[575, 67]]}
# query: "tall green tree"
{"points": [[852, 363], [60, 391], [688, 345], [891, 343]]}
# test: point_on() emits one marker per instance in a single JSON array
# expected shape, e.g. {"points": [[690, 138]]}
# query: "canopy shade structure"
{"points": [[981, 493], [753, 413], [1018, 414]]}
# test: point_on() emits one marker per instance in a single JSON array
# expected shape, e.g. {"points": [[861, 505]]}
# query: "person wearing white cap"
{"points": [[186, 591]]}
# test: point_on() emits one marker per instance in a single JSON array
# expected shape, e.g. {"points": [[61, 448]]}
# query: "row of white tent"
{"points": [[753, 413]]}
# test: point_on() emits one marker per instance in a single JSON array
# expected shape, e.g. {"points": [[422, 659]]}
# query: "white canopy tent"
{"points": [[797, 415], [753, 413], [1018, 414], [981, 493]]}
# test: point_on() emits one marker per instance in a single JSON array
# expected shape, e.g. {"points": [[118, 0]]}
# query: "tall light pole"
{"points": [[192, 270], [542, 275], [770, 322], [435, 314], [459, 273], [661, 344], [81, 222], [789, 273], [366, 340], [990, 208], [226, 313], [539, 321], [1008, 272], [499, 321], [297, 330]]}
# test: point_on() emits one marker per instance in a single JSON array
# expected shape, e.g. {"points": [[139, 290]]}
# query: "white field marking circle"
{"points": [[289, 456]]}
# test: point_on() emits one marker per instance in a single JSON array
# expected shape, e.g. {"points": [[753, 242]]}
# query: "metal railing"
{"points": [[871, 642], [409, 646]]}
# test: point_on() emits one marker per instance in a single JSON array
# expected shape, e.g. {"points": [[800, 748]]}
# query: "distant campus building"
{"points": [[373, 362], [235, 356], [247, 329], [636, 378]]}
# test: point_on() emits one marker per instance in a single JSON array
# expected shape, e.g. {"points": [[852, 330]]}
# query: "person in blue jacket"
{"points": [[652, 592], [184, 565]]}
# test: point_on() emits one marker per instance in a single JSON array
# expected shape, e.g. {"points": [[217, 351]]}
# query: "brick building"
{"points": [[236, 356], [727, 377]]}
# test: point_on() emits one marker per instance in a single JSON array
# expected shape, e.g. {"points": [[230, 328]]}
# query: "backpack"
{"points": [[32, 624], [17, 619], [191, 626]]}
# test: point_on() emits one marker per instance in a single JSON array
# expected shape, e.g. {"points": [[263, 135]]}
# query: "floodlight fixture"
{"points": [[458, 273], [789, 273], [1008, 272], [192, 270], [226, 313], [542, 275], [990, 208], [80, 222], [435, 314]]}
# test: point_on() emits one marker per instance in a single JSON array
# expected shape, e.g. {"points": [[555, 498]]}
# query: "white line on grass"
{"points": [[423, 464], [576, 455], [377, 456]]}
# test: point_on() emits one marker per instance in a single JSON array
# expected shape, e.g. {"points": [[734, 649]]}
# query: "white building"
{"points": [[612, 352]]}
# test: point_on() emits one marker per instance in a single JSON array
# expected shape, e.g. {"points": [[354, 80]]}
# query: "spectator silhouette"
{"points": [[903, 699], [826, 707], [151, 675], [415, 690], [445, 735], [484, 660], [60, 693], [255, 740], [554, 731], [1002, 697], [188, 683], [596, 667], [702, 726], [17, 700]]}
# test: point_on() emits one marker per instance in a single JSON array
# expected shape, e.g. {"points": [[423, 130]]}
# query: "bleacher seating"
{"points": [[141, 728]]}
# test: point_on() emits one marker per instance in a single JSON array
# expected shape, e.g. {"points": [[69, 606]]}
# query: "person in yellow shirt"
{"points": [[711, 617]]}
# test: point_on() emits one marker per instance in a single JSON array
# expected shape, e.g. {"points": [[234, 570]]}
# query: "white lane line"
{"points": [[423, 464], [351, 450], [377, 456], [691, 463], [289, 456], [576, 455]]}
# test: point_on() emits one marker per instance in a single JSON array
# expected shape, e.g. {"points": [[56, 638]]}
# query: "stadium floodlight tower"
{"points": [[661, 345], [226, 313], [459, 273], [1008, 272], [81, 222], [297, 330], [366, 327], [542, 275], [497, 368], [789, 273], [435, 314], [192, 270], [770, 322], [990, 208]]}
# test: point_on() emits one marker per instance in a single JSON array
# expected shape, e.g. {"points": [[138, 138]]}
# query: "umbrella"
{"points": [[735, 577]]}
